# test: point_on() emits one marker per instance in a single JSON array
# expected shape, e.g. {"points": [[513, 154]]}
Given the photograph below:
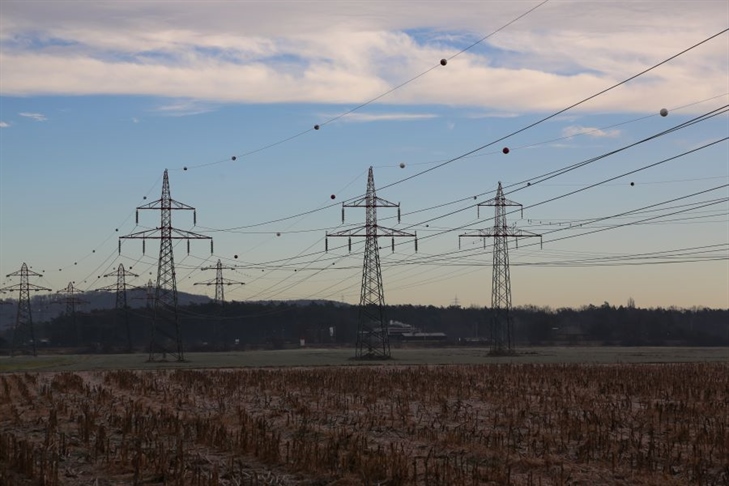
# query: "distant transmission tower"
{"points": [[71, 300], [166, 336], [121, 310], [149, 294], [220, 282], [23, 333], [502, 326], [373, 341]]}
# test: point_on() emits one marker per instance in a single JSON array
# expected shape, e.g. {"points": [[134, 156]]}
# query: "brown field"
{"points": [[513, 423]]}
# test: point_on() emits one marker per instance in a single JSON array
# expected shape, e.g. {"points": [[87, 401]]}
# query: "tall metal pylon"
{"points": [[220, 282], [165, 336], [69, 297], [23, 332], [373, 341], [502, 326], [148, 294], [121, 309]]}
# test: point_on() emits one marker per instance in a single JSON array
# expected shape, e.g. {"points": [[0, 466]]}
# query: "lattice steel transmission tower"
{"points": [[121, 309], [373, 341], [220, 282], [71, 300], [148, 294], [502, 326], [166, 338], [23, 332]]}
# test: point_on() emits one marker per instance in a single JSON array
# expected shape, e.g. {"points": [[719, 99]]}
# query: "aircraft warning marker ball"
{"points": [[505, 150], [184, 168], [316, 127], [632, 183], [235, 256], [278, 234], [443, 62], [233, 158], [333, 196], [402, 165], [664, 112]]}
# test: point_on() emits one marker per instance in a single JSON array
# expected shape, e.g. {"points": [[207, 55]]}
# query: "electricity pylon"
{"points": [[23, 333], [121, 309], [373, 341], [71, 300], [220, 282], [166, 336], [148, 294], [502, 326]]}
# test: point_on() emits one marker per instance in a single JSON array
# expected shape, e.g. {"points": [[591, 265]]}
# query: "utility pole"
{"points": [[220, 282], [166, 336], [121, 309], [71, 300], [373, 341], [502, 326], [23, 333]]}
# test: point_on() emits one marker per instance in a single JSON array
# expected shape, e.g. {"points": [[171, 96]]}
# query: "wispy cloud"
{"points": [[4, 124], [573, 130], [34, 116], [252, 52], [182, 108], [375, 117], [491, 114]]}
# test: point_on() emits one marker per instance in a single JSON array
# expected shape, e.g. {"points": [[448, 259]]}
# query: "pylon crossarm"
{"points": [[173, 205], [35, 288], [145, 234], [376, 202], [156, 234], [29, 273]]}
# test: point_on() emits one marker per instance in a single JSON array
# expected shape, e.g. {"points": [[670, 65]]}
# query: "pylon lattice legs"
{"points": [[372, 334], [23, 333]]}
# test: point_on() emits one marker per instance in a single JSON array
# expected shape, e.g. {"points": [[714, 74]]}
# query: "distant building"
{"points": [[406, 332]]}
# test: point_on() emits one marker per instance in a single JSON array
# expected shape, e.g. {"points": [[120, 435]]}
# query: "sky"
{"points": [[97, 99]]}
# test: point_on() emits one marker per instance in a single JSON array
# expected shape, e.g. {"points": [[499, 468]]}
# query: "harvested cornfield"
{"points": [[525, 424]]}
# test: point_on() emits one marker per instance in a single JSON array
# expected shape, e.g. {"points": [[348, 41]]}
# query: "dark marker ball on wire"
{"points": [[505, 150], [316, 127], [664, 112], [443, 62], [184, 168], [333, 196], [632, 183], [235, 256], [233, 158]]}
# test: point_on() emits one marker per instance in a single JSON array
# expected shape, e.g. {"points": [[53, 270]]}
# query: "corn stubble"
{"points": [[427, 425]]}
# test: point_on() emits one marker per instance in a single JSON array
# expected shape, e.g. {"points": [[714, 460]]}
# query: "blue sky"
{"points": [[96, 100]]}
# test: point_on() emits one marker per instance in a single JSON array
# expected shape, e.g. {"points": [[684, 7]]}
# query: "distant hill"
{"points": [[48, 306]]}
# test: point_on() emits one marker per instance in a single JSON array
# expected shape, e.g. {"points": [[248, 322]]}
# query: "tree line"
{"points": [[242, 325]]}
